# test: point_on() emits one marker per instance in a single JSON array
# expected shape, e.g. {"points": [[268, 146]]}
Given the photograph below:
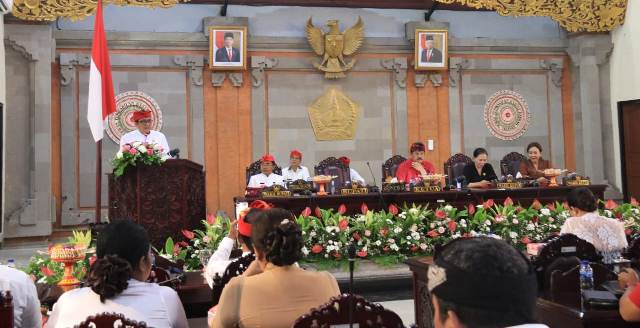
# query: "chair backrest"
{"points": [[110, 320], [6, 309], [334, 167], [254, 169], [568, 281], [454, 167], [390, 166], [633, 251], [510, 163], [336, 312], [234, 269]]}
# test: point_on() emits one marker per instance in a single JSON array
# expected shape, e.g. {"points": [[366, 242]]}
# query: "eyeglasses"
{"points": [[145, 121]]}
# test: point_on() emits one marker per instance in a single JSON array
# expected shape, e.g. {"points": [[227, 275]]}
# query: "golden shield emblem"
{"points": [[334, 116]]}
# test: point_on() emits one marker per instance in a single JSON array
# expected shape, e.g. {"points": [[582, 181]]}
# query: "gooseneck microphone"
{"points": [[384, 204], [175, 153], [375, 183]]}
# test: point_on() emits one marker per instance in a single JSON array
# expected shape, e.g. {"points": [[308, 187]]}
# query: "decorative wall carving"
{"points": [[555, 71], [236, 79], [420, 80], [334, 116], [456, 65], [22, 50], [399, 68], [333, 45], [258, 65], [68, 64], [217, 79], [195, 64]]}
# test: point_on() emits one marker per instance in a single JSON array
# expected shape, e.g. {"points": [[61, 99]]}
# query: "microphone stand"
{"points": [[375, 183], [352, 262]]}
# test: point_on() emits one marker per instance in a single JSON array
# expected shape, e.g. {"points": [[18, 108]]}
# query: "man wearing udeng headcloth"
{"points": [[144, 120]]}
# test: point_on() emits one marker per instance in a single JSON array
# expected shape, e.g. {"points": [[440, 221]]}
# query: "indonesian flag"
{"points": [[101, 98]]}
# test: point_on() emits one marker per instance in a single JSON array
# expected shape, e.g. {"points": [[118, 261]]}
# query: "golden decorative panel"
{"points": [[49, 10], [334, 116], [333, 46], [573, 15]]}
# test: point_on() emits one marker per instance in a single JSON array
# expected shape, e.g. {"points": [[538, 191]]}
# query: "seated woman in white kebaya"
{"points": [[117, 284]]}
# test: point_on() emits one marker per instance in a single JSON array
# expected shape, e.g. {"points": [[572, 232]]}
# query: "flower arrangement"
{"points": [[135, 153]]}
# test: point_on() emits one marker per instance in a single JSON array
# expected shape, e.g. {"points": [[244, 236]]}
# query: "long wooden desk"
{"points": [[460, 199]]}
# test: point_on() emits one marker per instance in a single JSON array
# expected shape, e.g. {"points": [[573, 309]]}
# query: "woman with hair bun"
{"points": [[605, 234], [117, 284], [274, 291]]}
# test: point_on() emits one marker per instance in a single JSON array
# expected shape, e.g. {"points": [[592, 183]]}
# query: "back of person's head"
{"points": [[249, 218], [277, 237], [485, 281], [119, 248], [582, 198]]}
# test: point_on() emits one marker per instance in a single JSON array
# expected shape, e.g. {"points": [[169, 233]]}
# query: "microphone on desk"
{"points": [[384, 204], [460, 181], [175, 153], [372, 175], [352, 261]]}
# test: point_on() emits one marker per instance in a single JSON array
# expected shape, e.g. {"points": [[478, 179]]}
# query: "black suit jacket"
{"points": [[222, 56], [436, 56]]}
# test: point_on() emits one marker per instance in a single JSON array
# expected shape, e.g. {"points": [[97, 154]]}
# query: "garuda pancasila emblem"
{"points": [[333, 46]]}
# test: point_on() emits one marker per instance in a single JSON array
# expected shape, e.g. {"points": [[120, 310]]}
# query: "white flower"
{"points": [[473, 233], [488, 223], [531, 226], [196, 242], [397, 230], [545, 211], [119, 155], [326, 256], [142, 149], [312, 234], [391, 241], [415, 235], [551, 219], [635, 211], [448, 208], [423, 246], [441, 230], [408, 237], [378, 243], [413, 211], [414, 228], [432, 225], [456, 235], [328, 229], [463, 223], [367, 233], [330, 242], [402, 215], [394, 247], [515, 221], [480, 206], [513, 235], [389, 221], [135, 144], [305, 251]]}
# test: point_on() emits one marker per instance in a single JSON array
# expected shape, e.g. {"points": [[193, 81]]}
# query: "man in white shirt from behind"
{"points": [[354, 175], [266, 178], [143, 133], [295, 171], [26, 306]]}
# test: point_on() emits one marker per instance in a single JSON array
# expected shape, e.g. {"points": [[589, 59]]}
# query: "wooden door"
{"points": [[631, 142]]}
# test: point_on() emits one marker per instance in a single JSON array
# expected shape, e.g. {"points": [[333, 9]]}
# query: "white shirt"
{"points": [[301, 173], [156, 305], [219, 261], [605, 234], [153, 137], [262, 180], [355, 176], [26, 306]]}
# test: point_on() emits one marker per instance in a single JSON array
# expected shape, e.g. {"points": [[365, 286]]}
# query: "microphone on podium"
{"points": [[175, 153]]}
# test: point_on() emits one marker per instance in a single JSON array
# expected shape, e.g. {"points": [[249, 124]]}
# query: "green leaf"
{"points": [[168, 246]]}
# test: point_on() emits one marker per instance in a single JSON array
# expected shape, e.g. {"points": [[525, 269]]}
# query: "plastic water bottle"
{"points": [[11, 263], [586, 275], [333, 187]]}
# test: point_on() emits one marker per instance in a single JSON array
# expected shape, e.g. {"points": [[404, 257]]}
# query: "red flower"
{"points": [[150, 151], [618, 215], [46, 271], [92, 260], [466, 235], [306, 212], [440, 214], [384, 231], [628, 232], [551, 206], [565, 204], [471, 209], [508, 201], [343, 225], [362, 254], [393, 209], [536, 205], [211, 218], [316, 249], [337, 255], [342, 209], [356, 236], [452, 226], [535, 219], [188, 234], [386, 249], [414, 248], [433, 234], [182, 244], [610, 204], [634, 202], [364, 208], [318, 212], [526, 240], [176, 250], [133, 151], [488, 204]]}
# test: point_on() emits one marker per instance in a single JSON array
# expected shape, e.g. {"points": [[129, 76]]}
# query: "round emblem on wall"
{"points": [[506, 114], [128, 102]]}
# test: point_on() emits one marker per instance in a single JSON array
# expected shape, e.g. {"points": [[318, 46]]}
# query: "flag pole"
{"points": [[98, 180]]}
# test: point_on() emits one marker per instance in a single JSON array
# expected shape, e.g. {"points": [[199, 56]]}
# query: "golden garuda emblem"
{"points": [[333, 46], [334, 116]]}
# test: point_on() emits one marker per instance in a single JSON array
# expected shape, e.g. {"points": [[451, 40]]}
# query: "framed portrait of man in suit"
{"points": [[432, 50], [227, 47]]}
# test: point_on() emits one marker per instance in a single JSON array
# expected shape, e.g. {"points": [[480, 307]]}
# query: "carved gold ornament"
{"points": [[333, 45], [334, 116], [50, 10], [573, 15]]}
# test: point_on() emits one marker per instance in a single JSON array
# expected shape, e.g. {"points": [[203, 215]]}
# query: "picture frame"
{"points": [[234, 40], [431, 50]]}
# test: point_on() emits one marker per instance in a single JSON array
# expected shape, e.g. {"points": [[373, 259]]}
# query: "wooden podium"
{"points": [[163, 199]]}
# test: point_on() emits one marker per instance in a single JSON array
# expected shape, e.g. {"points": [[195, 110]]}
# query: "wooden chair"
{"points": [[234, 269], [336, 313], [454, 167], [335, 167], [254, 169], [510, 163], [390, 166], [6, 309], [110, 320]]}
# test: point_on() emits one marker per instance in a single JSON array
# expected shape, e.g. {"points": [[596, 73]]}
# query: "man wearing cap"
{"points": [[354, 175], [430, 54], [482, 282], [415, 167], [143, 133], [228, 54], [266, 178], [295, 171]]}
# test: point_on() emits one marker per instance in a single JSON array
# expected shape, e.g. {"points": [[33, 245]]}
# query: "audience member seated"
{"points": [[295, 170], [274, 292], [266, 178], [354, 175], [479, 174], [415, 167], [630, 300], [607, 235], [117, 284], [482, 282], [534, 166], [26, 306], [242, 232]]}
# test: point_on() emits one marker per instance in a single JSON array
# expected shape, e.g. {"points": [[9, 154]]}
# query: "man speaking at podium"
{"points": [[415, 167], [143, 133]]}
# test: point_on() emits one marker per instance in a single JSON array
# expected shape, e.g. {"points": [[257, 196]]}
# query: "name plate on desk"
{"points": [[509, 185], [578, 182], [427, 189], [354, 191], [276, 193], [393, 187]]}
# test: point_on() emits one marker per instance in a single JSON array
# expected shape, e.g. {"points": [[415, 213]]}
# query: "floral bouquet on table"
{"points": [[137, 152]]}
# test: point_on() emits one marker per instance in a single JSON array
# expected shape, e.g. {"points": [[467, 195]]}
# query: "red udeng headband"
{"points": [[244, 227]]}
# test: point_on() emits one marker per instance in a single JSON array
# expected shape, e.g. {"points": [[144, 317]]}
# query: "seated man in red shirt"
{"points": [[415, 167]]}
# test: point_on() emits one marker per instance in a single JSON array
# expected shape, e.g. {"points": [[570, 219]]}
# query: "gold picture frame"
{"points": [[433, 55], [226, 37]]}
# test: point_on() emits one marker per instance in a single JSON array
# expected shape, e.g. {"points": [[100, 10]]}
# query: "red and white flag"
{"points": [[101, 97]]}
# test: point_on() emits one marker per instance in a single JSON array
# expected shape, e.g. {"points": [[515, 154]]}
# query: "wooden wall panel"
{"points": [[56, 148], [567, 116]]}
